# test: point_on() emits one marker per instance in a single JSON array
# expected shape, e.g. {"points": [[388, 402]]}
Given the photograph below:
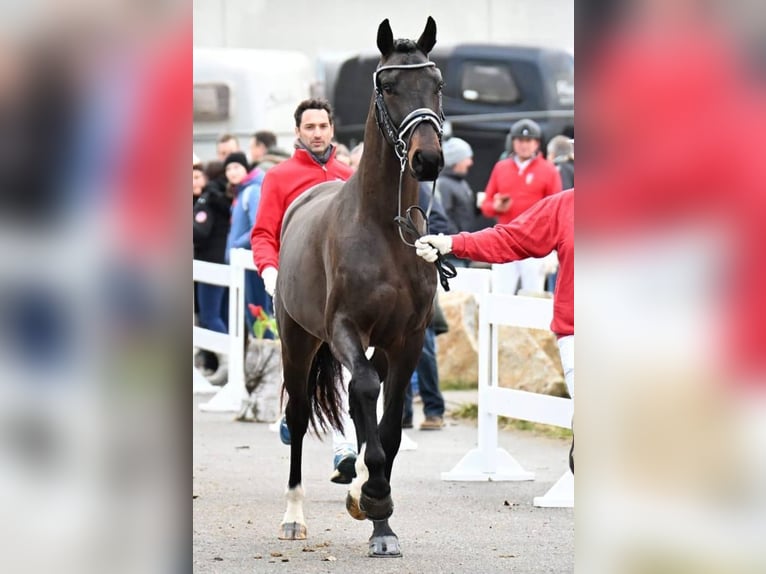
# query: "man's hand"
{"points": [[501, 203], [429, 246], [269, 277]]}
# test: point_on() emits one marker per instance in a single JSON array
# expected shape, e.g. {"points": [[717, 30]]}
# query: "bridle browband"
{"points": [[399, 138]]}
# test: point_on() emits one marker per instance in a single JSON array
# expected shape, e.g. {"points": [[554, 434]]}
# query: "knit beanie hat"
{"points": [[237, 157], [455, 150]]}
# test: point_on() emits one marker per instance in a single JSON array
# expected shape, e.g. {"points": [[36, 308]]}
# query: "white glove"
{"points": [[429, 246], [269, 277]]}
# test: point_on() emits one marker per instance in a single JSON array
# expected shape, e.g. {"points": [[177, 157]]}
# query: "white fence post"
{"points": [[214, 274], [488, 461], [229, 398]]}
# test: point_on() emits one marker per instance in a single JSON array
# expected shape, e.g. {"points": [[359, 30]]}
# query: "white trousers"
{"points": [[346, 441], [531, 272], [566, 350]]}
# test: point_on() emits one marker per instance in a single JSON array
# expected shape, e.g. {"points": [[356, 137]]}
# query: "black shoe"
{"points": [[345, 468]]}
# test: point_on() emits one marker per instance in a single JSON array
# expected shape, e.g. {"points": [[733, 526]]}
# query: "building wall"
{"points": [[348, 26]]}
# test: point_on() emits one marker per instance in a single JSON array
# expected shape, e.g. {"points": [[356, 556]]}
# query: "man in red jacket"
{"points": [[515, 185], [547, 225], [313, 163]]}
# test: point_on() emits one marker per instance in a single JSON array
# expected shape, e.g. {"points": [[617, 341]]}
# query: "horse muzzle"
{"points": [[425, 164]]}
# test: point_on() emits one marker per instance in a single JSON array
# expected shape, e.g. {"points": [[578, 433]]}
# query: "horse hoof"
{"points": [[376, 509], [292, 531], [385, 547], [352, 505]]}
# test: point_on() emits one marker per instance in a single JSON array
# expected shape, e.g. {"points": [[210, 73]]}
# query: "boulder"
{"points": [[457, 350], [263, 381], [528, 358]]}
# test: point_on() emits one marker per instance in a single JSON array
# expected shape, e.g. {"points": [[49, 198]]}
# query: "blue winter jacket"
{"points": [[244, 210]]}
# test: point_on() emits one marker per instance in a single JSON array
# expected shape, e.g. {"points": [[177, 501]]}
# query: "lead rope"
{"points": [[444, 268]]}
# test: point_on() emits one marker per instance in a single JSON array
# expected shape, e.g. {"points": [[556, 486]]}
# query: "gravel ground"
{"points": [[240, 474]]}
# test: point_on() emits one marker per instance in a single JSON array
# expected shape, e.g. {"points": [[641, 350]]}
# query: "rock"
{"points": [[529, 361], [457, 350], [528, 358], [263, 380]]}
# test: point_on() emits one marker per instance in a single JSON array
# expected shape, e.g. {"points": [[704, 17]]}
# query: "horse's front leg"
{"points": [[369, 495], [384, 542]]}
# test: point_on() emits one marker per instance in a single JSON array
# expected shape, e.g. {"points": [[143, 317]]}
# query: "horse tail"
{"points": [[324, 391]]}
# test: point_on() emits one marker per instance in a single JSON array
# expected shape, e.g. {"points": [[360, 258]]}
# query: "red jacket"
{"points": [[538, 179], [282, 184], [547, 225]]}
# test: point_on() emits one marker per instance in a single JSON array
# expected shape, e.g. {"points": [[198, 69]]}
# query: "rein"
{"points": [[445, 269], [395, 135]]}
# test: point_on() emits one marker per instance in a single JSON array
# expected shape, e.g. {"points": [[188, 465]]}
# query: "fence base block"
{"points": [[560, 495], [227, 400], [475, 464]]}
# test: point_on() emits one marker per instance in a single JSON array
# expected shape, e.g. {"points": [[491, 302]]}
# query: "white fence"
{"points": [[229, 397], [487, 462]]}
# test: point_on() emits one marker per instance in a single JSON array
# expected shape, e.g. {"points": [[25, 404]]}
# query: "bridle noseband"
{"points": [[397, 136]]}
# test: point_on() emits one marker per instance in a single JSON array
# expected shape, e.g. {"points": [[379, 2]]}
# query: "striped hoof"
{"points": [[352, 505], [385, 547], [292, 531]]}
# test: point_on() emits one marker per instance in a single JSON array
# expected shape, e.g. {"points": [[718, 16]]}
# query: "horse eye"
{"points": [[388, 88]]}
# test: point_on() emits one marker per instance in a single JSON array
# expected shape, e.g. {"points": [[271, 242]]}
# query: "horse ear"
{"points": [[385, 38], [427, 39]]}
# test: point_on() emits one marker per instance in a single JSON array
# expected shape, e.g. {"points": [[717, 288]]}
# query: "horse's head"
{"points": [[408, 100]]}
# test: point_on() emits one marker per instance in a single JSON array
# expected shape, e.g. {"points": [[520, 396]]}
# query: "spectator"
{"points": [[212, 215], [561, 153], [456, 195], [226, 145], [342, 154], [516, 184], [260, 144], [205, 360], [313, 162], [247, 193]]}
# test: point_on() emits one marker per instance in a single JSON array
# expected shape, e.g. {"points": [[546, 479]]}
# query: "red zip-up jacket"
{"points": [[547, 225], [537, 180], [282, 184]]}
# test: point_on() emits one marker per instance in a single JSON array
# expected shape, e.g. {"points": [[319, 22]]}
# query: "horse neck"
{"points": [[379, 171]]}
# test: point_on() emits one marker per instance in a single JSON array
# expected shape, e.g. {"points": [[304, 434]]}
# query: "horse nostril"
{"points": [[417, 162], [425, 167]]}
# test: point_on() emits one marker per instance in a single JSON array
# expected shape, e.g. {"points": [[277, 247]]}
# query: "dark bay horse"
{"points": [[347, 281]]}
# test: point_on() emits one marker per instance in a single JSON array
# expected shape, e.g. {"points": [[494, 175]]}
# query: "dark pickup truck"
{"points": [[487, 88]]}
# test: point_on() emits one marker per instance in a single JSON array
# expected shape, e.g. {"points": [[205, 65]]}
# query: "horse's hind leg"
{"points": [[298, 349]]}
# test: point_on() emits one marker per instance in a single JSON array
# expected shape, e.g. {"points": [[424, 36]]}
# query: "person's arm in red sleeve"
{"points": [[532, 234], [264, 238]]}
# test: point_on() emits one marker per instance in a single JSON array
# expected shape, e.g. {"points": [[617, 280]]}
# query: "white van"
{"points": [[241, 91]]}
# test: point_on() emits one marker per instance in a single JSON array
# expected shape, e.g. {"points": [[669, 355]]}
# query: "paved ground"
{"points": [[240, 474]]}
